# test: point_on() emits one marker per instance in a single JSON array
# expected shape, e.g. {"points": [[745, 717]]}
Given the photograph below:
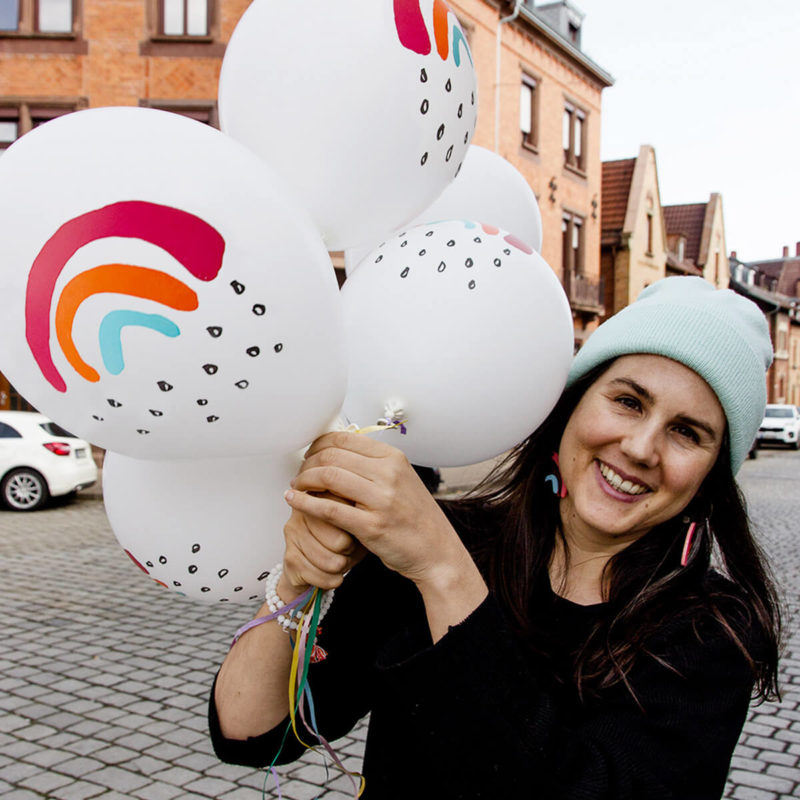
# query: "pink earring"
{"points": [[687, 544], [555, 480]]}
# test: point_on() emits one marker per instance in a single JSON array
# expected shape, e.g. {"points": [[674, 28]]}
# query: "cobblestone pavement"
{"points": [[104, 676]]}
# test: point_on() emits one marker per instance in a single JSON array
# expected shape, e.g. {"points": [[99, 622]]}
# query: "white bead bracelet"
{"points": [[290, 620]]}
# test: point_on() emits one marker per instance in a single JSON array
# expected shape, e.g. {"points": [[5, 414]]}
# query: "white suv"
{"points": [[39, 460], [781, 424]]}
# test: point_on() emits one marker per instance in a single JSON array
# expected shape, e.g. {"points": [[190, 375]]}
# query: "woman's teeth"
{"points": [[619, 483]]}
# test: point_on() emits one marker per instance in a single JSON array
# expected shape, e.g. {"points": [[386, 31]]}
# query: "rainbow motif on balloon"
{"points": [[493, 230], [190, 240], [414, 34]]}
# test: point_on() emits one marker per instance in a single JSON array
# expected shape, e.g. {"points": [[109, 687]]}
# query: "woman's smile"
{"points": [[619, 485]]}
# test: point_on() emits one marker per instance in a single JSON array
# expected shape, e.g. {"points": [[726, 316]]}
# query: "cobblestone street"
{"points": [[104, 676]]}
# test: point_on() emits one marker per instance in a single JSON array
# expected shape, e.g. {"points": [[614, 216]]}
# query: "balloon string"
{"points": [[261, 620], [384, 424], [303, 649]]}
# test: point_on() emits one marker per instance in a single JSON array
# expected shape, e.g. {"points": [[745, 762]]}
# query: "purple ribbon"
{"points": [[261, 620]]}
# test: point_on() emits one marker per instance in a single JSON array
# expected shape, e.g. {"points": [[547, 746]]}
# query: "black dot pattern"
{"points": [[450, 247], [447, 102], [155, 416]]}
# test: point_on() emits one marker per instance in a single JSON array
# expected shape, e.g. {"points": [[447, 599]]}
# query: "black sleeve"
{"points": [[497, 729], [369, 607]]}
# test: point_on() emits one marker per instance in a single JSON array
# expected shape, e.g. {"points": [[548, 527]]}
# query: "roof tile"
{"points": [[687, 220], [617, 177]]}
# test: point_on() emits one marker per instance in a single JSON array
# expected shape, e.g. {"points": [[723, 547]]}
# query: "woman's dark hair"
{"points": [[644, 584]]}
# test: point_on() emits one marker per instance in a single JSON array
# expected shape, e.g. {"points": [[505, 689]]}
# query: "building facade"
{"points": [[774, 284], [539, 96], [696, 241], [633, 242], [539, 101]]}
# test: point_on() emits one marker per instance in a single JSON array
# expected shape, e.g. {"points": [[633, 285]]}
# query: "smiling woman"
{"points": [[562, 630]]}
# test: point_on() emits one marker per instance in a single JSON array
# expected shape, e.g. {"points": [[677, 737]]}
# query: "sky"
{"points": [[714, 86]]}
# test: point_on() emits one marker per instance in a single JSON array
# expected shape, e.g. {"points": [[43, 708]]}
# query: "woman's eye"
{"points": [[628, 402], [687, 433]]}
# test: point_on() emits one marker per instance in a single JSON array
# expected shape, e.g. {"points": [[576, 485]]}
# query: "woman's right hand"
{"points": [[317, 554]]}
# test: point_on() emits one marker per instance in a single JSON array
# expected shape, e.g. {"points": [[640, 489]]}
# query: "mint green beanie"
{"points": [[719, 334]]}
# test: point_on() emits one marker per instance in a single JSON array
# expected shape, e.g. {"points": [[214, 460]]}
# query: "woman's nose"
{"points": [[641, 444]]}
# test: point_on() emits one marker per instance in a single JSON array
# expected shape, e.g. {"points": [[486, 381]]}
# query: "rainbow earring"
{"points": [[555, 481]]}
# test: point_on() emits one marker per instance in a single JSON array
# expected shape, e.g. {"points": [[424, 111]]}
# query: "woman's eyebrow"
{"points": [[683, 418], [638, 388]]}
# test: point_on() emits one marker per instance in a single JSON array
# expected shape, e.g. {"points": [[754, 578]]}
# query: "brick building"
{"points": [[539, 96], [539, 108], [774, 284]]}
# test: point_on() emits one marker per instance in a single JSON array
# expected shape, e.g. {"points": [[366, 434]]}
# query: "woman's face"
{"points": [[637, 448]]}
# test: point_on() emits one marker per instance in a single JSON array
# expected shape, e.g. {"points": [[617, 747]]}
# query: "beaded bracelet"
{"points": [[288, 621]]}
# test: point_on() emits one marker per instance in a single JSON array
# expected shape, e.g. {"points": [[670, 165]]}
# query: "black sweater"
{"points": [[477, 715]]}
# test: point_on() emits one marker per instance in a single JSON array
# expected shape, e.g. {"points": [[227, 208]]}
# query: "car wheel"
{"points": [[24, 490]]}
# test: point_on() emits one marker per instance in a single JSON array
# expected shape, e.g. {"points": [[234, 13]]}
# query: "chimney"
{"points": [[797, 249], [786, 252], [733, 252]]}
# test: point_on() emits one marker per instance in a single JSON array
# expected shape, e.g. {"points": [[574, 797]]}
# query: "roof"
{"points": [[682, 267], [687, 220], [616, 189], [786, 270], [541, 25]]}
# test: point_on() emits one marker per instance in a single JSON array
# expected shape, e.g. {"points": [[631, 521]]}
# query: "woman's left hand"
{"points": [[389, 510]]}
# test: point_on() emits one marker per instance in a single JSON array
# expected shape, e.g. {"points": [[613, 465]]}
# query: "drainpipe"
{"points": [[510, 18]]}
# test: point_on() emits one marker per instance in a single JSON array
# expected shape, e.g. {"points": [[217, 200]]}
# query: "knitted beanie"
{"points": [[719, 334]]}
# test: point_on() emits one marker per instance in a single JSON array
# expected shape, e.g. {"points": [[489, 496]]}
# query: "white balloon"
{"points": [[209, 529], [366, 108], [462, 330], [157, 287], [488, 188]]}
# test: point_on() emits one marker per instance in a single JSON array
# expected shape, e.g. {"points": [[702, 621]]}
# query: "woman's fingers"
{"points": [[333, 512], [339, 481], [354, 442], [317, 553]]}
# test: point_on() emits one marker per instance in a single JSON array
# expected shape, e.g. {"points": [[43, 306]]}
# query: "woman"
{"points": [[556, 635]]}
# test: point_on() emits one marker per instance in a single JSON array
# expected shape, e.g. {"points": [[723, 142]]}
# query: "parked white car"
{"points": [[781, 425], [39, 460]]}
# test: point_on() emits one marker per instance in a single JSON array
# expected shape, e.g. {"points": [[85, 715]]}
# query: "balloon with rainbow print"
{"points": [[155, 292], [461, 330], [366, 107]]}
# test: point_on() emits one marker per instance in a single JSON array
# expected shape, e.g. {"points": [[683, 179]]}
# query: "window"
{"points": [[574, 132], [9, 15], [11, 399], [184, 17], [9, 127], [54, 16], [528, 100], [7, 432], [572, 244], [202, 110], [649, 233], [54, 429], [21, 117], [182, 29], [37, 16]]}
